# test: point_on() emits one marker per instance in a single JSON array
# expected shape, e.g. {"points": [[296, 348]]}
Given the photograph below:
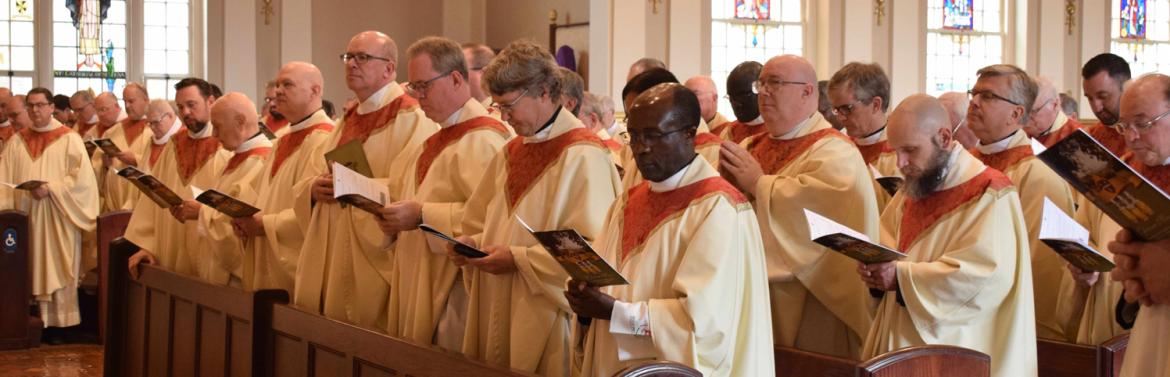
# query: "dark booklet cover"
{"points": [[576, 256]]}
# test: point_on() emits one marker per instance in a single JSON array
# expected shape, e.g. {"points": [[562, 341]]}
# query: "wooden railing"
{"points": [[1059, 359]]}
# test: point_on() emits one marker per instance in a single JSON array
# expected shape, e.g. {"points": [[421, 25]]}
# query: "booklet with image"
{"points": [[461, 248], [353, 188], [844, 240], [1071, 240], [576, 256], [223, 203]]}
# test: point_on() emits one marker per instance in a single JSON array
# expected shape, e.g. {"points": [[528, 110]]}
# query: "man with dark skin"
{"points": [[671, 278], [744, 103]]}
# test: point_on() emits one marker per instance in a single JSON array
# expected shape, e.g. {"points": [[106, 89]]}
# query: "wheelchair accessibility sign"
{"points": [[9, 240]]}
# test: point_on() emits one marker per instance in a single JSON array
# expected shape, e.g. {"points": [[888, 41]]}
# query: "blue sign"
{"points": [[9, 239]]}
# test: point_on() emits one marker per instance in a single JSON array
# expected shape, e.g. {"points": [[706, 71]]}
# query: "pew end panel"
{"points": [[110, 226], [791, 362], [1110, 354], [1062, 359]]}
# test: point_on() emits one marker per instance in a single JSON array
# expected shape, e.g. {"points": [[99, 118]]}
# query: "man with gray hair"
{"points": [[86, 116], [859, 96], [1048, 124], [597, 115], [478, 55], [643, 65], [572, 90], [1001, 103], [956, 104], [1070, 106], [128, 135]]}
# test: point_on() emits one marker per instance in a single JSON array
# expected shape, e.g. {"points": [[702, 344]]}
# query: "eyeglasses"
{"points": [[154, 123], [845, 110], [651, 137], [1041, 106], [771, 84], [360, 57], [81, 108], [1138, 128], [987, 95], [418, 89], [507, 107], [476, 68], [40, 105]]}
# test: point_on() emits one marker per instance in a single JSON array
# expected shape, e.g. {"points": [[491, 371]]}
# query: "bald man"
{"points": [[704, 89], [332, 276], [800, 163], [1048, 123], [18, 118], [742, 95], [643, 65], [274, 236], [966, 281], [956, 104], [707, 144]]}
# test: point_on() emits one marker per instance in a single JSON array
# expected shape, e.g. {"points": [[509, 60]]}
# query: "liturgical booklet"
{"points": [[1070, 240], [26, 185], [890, 184], [461, 248], [151, 187], [353, 188], [223, 203], [107, 146], [852, 243], [576, 256], [1114, 187]]}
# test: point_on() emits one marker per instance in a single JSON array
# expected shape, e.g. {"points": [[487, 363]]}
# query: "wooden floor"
{"points": [[69, 360]]}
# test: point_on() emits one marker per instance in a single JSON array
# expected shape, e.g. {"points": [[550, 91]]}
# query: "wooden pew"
{"points": [[1060, 359], [922, 361], [166, 324], [659, 369], [110, 226], [18, 329]]}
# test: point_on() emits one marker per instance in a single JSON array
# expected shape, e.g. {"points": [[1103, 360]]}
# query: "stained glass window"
{"points": [[167, 51], [1141, 34], [743, 30], [962, 36], [89, 46], [17, 40]]}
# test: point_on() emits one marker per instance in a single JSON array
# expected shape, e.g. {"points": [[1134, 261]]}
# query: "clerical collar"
{"points": [[176, 125], [543, 133], [758, 121], [453, 119], [998, 146], [674, 181], [93, 119], [796, 131], [1166, 161], [613, 129], [53, 124], [204, 133], [7, 123], [872, 138], [309, 121], [375, 101], [258, 140]]}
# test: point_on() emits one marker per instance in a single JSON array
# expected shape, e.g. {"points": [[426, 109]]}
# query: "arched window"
{"points": [[17, 64], [962, 36], [743, 30], [1141, 34]]}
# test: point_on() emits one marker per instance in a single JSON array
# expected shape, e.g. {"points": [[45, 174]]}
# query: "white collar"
{"points": [[674, 181], [375, 101], [871, 139], [998, 146], [796, 130], [7, 123], [1166, 161], [547, 131], [257, 141], [205, 133], [758, 121], [93, 119], [176, 125], [452, 120], [316, 118], [613, 128], [53, 124]]}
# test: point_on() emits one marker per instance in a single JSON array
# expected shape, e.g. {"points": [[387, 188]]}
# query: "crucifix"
{"points": [[267, 11]]}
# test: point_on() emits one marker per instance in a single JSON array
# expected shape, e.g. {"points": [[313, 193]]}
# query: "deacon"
{"points": [[274, 236], [428, 302], [690, 246], [706, 143], [704, 89], [130, 135], [59, 209], [966, 281], [192, 158], [1048, 124], [803, 163], [1000, 103], [742, 95], [82, 104], [338, 270], [556, 175], [1104, 76]]}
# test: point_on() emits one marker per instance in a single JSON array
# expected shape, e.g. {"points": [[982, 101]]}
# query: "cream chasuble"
{"points": [[57, 156], [1061, 128], [278, 127], [560, 178], [695, 262], [337, 273], [188, 160], [1149, 345], [967, 279], [218, 255], [737, 131], [818, 168], [270, 261], [717, 122], [1089, 314], [875, 150], [442, 173], [706, 145], [1035, 181], [130, 136]]}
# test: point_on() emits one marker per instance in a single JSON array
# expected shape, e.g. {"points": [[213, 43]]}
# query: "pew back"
{"points": [[1060, 359], [17, 328], [922, 361], [110, 226]]}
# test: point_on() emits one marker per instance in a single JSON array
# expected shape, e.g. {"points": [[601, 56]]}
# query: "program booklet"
{"points": [[26, 185], [844, 240], [576, 256], [107, 146], [890, 184], [352, 156], [223, 203], [353, 188], [151, 186], [1114, 187], [1071, 240], [461, 248], [267, 132]]}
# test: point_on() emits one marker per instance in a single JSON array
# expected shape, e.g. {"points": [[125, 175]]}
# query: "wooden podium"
{"points": [[18, 327]]}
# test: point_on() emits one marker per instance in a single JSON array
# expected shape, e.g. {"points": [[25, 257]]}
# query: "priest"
{"points": [[130, 135], [706, 143], [742, 95], [708, 95], [1103, 78], [273, 120], [1048, 124], [859, 95], [82, 104], [18, 119], [688, 242], [966, 280]]}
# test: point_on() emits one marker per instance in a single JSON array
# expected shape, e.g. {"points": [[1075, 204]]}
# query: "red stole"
{"points": [[82, 128], [1158, 175], [133, 129], [870, 153], [612, 144], [439, 141], [704, 139], [775, 154], [155, 151], [1067, 129], [290, 142], [740, 131], [239, 158], [101, 130], [7, 132], [527, 162], [1003, 160], [1112, 140], [36, 142], [192, 153], [920, 215], [360, 126], [645, 210], [274, 124]]}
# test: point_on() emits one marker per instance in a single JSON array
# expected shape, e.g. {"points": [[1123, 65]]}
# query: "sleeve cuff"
{"points": [[630, 318]]}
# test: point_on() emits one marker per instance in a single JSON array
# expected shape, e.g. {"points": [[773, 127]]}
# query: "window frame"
{"points": [[1146, 43], [1007, 13], [807, 39]]}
